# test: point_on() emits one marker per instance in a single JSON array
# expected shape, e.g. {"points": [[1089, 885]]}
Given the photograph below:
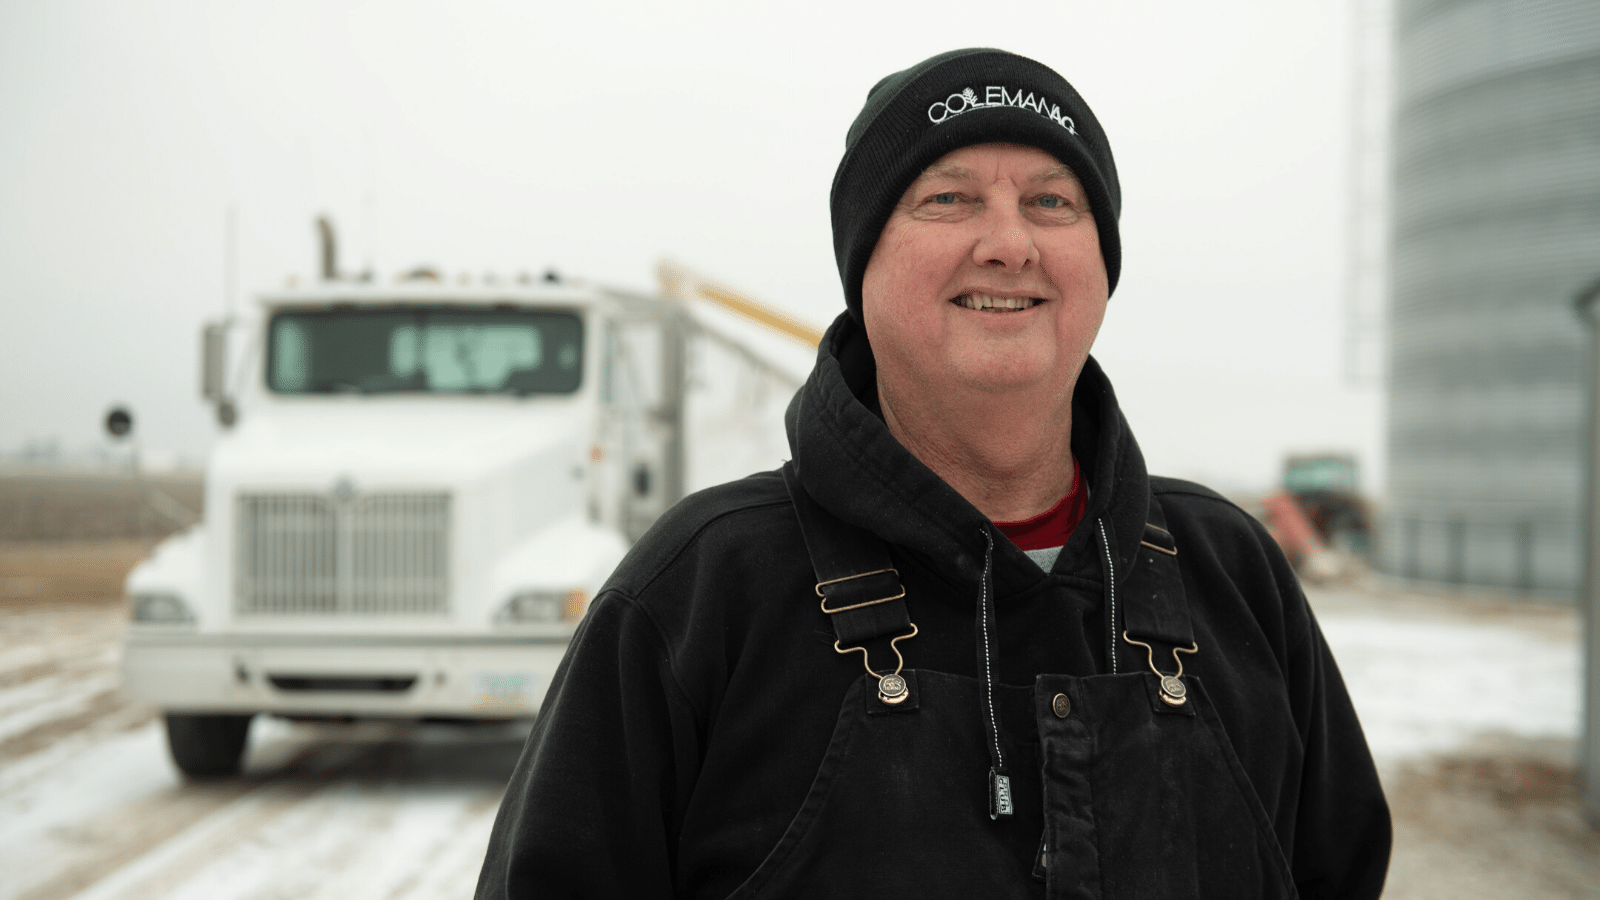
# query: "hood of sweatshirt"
{"points": [[848, 461]]}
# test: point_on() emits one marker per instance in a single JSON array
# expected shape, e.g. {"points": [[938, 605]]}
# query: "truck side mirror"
{"points": [[213, 361], [214, 372]]}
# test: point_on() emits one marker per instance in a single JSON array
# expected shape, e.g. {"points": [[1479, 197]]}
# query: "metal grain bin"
{"points": [[1496, 224]]}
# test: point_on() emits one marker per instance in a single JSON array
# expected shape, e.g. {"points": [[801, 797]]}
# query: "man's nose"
{"points": [[1006, 241]]}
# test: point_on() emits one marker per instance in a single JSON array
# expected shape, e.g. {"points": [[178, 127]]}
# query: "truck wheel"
{"points": [[207, 746]]}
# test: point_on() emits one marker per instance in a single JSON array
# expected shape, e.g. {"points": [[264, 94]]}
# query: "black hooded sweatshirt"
{"points": [[682, 742]]}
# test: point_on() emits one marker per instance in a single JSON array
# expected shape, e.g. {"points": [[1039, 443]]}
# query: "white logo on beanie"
{"points": [[998, 95]]}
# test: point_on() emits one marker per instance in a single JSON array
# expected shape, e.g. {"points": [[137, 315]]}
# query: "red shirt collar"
{"points": [[1052, 527]]}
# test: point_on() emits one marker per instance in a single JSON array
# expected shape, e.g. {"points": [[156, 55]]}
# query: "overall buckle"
{"points": [[1173, 693]]}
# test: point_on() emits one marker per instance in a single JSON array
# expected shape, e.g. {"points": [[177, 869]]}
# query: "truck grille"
{"points": [[319, 554]]}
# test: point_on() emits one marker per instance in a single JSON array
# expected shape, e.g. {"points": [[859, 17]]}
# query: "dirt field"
{"points": [[1499, 819], [67, 504], [90, 807], [53, 572]]}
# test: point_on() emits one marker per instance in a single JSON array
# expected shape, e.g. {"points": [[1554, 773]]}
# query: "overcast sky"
{"points": [[599, 137]]}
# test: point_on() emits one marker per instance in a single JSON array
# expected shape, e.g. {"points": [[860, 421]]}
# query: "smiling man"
{"points": [[962, 645], [984, 292]]}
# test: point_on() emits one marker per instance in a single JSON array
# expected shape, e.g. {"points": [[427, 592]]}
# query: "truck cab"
{"points": [[420, 490]]}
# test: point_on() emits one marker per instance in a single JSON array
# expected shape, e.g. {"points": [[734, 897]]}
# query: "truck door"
{"points": [[643, 474]]}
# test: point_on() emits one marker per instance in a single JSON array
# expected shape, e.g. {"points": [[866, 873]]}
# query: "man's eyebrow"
{"points": [[957, 172], [1051, 174]]}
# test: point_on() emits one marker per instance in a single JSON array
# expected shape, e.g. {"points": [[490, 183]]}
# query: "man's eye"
{"points": [[1051, 201], [944, 199]]}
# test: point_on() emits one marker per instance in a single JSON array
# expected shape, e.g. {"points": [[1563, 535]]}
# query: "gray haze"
{"points": [[597, 138]]}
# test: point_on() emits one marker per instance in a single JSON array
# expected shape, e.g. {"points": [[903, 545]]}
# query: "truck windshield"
{"points": [[425, 350]]}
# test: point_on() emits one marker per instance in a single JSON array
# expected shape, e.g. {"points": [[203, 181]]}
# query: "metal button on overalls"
{"points": [[1061, 705]]}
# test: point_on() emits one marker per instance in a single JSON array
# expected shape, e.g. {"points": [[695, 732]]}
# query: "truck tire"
{"points": [[207, 746]]}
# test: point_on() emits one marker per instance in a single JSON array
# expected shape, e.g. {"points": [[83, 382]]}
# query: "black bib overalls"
{"points": [[1122, 790]]}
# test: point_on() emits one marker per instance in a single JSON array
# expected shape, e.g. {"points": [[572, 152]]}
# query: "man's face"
{"points": [[987, 276]]}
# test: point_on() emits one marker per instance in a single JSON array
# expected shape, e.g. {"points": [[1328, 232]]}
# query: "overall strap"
{"points": [[1155, 608], [1157, 613], [858, 585]]}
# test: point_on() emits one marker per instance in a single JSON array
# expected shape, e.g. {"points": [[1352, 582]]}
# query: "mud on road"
{"points": [[1498, 819]]}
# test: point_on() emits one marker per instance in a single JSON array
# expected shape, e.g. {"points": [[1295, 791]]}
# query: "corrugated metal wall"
{"points": [[1496, 205]]}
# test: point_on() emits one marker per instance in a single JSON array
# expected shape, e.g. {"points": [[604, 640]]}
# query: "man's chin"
{"points": [[1006, 375]]}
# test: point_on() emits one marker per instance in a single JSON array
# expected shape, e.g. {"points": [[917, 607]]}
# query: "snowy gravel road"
{"points": [[375, 811], [90, 807]]}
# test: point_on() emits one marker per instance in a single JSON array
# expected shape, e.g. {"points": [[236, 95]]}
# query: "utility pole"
{"points": [[1589, 598]]}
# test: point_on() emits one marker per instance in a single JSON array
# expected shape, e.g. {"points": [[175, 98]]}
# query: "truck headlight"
{"points": [[162, 608], [543, 606]]}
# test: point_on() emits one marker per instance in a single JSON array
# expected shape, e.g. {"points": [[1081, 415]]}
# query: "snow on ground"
{"points": [[91, 807], [331, 831], [1471, 705], [323, 811], [42, 700], [1426, 680], [51, 803]]}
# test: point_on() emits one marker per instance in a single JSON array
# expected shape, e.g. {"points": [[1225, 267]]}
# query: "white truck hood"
{"points": [[440, 441]]}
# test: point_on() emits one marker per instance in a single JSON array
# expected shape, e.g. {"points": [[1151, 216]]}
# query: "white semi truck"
{"points": [[419, 490]]}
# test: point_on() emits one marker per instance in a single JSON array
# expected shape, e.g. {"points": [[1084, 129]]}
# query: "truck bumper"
{"points": [[469, 678]]}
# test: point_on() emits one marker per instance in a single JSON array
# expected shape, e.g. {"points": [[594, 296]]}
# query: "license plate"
{"points": [[511, 691]]}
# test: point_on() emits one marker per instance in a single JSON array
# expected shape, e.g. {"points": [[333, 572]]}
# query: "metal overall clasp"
{"points": [[1173, 693], [892, 688]]}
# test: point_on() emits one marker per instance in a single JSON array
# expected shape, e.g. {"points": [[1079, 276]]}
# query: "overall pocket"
{"points": [[899, 808], [1162, 807]]}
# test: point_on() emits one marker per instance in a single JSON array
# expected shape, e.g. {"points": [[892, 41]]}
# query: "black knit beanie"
{"points": [[947, 102]]}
